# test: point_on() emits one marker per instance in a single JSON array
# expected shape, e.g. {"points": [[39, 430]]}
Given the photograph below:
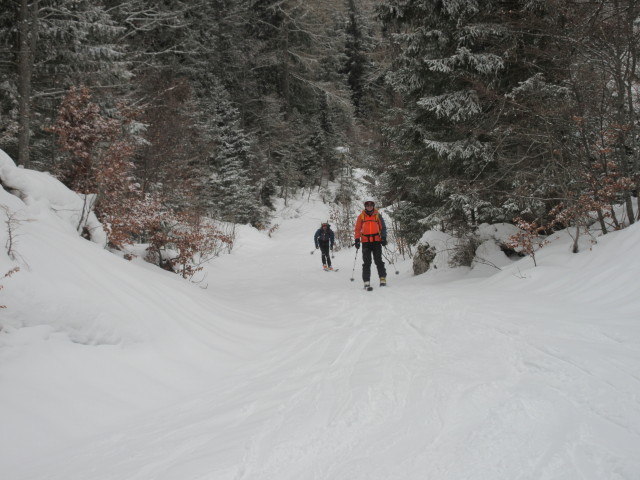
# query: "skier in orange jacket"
{"points": [[371, 232]]}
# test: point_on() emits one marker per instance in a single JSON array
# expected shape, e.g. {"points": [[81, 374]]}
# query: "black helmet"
{"points": [[369, 202]]}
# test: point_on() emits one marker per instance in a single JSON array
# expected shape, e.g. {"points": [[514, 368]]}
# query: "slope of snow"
{"points": [[279, 370]]}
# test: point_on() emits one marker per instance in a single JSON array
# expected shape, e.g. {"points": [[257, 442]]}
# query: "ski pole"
{"points": [[354, 264]]}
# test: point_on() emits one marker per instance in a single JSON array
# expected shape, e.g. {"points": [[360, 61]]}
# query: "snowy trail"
{"points": [[409, 382], [420, 367], [375, 398]]}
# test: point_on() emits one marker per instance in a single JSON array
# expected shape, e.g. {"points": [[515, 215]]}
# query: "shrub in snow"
{"points": [[436, 248], [97, 162], [487, 245], [494, 249], [527, 240], [464, 251], [8, 274], [12, 222], [423, 258], [182, 244], [341, 220]]}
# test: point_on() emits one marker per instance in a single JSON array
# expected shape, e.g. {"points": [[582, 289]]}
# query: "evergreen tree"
{"points": [[58, 43], [231, 195], [172, 161], [298, 58], [456, 61], [9, 99], [359, 42]]}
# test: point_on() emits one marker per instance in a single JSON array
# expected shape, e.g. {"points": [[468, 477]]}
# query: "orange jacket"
{"points": [[370, 227]]}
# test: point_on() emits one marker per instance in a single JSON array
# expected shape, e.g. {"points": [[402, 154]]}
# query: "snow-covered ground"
{"points": [[278, 370]]}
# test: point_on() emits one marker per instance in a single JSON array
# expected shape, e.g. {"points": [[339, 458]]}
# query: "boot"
{"points": [[383, 281]]}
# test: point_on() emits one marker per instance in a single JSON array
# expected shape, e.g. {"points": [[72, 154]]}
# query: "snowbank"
{"points": [[42, 195]]}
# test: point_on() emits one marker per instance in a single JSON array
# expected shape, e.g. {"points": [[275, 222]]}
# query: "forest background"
{"points": [[167, 117]]}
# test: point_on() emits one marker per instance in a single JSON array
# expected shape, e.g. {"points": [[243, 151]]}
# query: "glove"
{"points": [[357, 243], [317, 247], [332, 248], [384, 242]]}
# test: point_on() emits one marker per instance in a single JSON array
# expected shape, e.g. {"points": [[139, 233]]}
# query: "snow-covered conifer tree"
{"points": [[51, 46], [230, 194], [449, 57], [451, 61]]}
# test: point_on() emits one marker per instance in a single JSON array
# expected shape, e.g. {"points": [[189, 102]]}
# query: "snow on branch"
{"points": [[456, 106], [483, 63], [460, 149], [459, 7], [539, 86], [480, 31]]}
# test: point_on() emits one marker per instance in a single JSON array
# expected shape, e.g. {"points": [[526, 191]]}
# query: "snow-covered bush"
{"points": [[181, 244], [487, 245]]}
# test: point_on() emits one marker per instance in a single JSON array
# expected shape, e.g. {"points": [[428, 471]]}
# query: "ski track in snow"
{"points": [[408, 382]]}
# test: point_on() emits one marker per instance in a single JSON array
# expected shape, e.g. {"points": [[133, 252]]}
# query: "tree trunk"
{"points": [[624, 61], [603, 226], [575, 248], [26, 51], [284, 80], [632, 13]]}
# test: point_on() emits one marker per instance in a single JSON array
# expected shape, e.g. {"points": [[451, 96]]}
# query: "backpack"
{"points": [[371, 227]]}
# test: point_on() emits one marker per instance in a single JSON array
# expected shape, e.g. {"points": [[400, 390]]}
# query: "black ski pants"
{"points": [[369, 249], [326, 256]]}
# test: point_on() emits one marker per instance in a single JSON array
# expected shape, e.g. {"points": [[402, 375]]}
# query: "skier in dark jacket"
{"points": [[324, 239]]}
